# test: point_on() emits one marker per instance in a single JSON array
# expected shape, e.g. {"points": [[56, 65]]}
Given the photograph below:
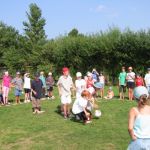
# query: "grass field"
{"points": [[21, 130]]}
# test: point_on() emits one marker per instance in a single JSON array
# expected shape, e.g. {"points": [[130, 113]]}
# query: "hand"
{"points": [[34, 93], [134, 137]]}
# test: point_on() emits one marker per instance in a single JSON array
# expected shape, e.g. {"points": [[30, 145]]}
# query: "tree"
{"points": [[35, 34]]}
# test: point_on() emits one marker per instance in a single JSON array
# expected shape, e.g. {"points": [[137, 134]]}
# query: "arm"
{"points": [[131, 119]]}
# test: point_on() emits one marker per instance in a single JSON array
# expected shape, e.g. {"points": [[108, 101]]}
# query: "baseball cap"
{"points": [[89, 74], [49, 73], [18, 73], [78, 74], [65, 69], [139, 91]]}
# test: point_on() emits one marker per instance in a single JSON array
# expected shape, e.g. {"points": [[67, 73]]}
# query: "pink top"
{"points": [[6, 81]]}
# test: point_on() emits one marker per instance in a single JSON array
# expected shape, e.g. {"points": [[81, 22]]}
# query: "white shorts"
{"points": [[91, 90], [66, 99]]}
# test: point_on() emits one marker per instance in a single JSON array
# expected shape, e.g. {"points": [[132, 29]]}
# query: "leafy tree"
{"points": [[35, 34]]}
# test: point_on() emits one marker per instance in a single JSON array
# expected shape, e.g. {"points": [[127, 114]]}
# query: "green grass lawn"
{"points": [[21, 130]]}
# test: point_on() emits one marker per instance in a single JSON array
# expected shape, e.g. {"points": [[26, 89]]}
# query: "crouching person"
{"points": [[36, 87], [79, 108]]}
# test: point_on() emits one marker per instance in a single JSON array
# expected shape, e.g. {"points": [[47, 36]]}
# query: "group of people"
{"points": [[87, 89], [132, 80], [38, 88]]}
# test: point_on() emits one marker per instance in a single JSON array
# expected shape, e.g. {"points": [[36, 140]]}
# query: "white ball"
{"points": [[97, 113]]}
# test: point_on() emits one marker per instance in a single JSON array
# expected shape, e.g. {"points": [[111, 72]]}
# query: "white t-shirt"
{"points": [[147, 79], [130, 76], [27, 83], [65, 84], [79, 105], [80, 86]]}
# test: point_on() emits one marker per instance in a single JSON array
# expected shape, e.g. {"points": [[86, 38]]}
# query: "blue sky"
{"points": [[88, 16]]}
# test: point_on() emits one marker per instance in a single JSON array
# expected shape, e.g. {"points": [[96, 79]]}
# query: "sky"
{"points": [[88, 16]]}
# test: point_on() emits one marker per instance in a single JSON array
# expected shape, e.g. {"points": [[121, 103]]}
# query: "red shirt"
{"points": [[89, 83], [139, 82]]}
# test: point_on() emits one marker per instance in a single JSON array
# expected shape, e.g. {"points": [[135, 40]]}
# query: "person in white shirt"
{"points": [[79, 108], [147, 80], [130, 77], [27, 87], [65, 84], [80, 84]]}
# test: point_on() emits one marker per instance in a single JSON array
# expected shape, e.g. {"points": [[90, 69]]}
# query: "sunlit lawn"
{"points": [[21, 130]]}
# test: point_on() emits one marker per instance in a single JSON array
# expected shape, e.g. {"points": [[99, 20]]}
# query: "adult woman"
{"points": [[130, 82], [139, 121]]}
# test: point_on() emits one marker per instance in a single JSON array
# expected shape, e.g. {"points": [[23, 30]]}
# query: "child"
{"points": [[18, 83], [139, 80], [36, 87], [122, 83], [50, 83], [130, 82], [147, 80], [65, 84], [80, 84], [6, 82], [110, 93], [79, 108], [102, 82], [90, 83], [27, 88], [1, 95]]}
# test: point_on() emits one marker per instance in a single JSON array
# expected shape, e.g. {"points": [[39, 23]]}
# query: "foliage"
{"points": [[105, 50]]}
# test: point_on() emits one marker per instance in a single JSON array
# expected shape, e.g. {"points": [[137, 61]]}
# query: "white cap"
{"points": [[139, 91], [18, 73], [6, 73], [49, 73], [89, 74], [78, 74]]}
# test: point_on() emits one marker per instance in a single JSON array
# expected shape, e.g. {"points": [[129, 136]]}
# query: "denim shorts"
{"points": [[139, 144], [18, 92]]}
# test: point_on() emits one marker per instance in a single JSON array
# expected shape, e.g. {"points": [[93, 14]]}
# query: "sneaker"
{"points": [[65, 117], [87, 122], [53, 97], [40, 112]]}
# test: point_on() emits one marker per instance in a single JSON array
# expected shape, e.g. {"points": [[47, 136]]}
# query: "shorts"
{"points": [[50, 89], [102, 84], [5, 91], [27, 90], [66, 99], [122, 88], [130, 85], [139, 144], [18, 92], [91, 90]]}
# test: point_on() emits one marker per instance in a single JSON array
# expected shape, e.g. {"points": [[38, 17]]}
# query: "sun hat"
{"points": [[78, 74], [49, 73], [139, 91], [110, 88], [65, 69]]}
